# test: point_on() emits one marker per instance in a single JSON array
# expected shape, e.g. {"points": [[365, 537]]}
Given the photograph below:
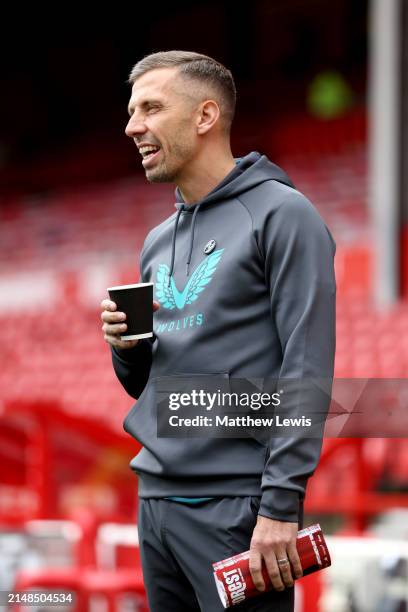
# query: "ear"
{"points": [[208, 114]]}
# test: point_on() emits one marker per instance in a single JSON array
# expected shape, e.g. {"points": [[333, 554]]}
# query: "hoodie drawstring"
{"points": [[173, 244], [196, 209]]}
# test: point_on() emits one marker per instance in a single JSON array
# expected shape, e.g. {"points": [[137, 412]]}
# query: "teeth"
{"points": [[145, 151]]}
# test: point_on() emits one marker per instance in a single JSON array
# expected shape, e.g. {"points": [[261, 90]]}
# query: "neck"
{"points": [[204, 173]]}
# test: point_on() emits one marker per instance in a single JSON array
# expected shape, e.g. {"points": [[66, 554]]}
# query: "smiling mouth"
{"points": [[148, 153]]}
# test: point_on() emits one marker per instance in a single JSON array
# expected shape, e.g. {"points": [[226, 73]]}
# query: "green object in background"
{"points": [[329, 95]]}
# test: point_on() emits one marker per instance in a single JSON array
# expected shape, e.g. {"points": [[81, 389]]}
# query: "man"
{"points": [[244, 287]]}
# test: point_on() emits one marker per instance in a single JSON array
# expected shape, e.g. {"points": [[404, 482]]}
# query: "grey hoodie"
{"points": [[267, 311]]}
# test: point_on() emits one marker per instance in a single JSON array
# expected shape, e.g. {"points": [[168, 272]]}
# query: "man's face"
{"points": [[162, 123]]}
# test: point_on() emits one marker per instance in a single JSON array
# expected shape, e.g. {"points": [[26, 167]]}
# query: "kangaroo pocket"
{"points": [[173, 452]]}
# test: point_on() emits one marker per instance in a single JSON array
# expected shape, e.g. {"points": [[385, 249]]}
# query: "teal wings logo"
{"points": [[168, 294]]}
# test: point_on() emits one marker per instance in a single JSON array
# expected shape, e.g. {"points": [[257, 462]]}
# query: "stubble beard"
{"points": [[181, 155], [160, 174]]}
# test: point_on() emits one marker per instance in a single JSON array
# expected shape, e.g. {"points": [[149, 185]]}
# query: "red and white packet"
{"points": [[233, 578]]}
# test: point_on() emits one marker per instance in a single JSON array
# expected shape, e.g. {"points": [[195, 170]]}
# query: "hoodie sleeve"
{"points": [[132, 366], [298, 251]]}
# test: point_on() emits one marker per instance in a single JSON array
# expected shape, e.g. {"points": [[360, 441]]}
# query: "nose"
{"points": [[135, 127]]}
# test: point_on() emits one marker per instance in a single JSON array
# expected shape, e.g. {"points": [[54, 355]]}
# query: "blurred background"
{"points": [[322, 90]]}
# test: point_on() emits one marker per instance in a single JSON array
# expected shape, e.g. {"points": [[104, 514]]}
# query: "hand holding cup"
{"points": [[114, 324]]}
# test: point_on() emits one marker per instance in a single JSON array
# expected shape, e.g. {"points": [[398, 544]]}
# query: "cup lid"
{"points": [[131, 286]]}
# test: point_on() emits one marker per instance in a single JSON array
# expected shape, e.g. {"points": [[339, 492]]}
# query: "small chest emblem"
{"points": [[209, 247]]}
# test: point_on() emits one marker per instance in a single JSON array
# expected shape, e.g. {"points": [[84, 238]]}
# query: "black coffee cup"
{"points": [[136, 301]]}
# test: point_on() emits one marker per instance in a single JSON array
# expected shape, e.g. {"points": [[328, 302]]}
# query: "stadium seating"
{"points": [[62, 408], [70, 241], [88, 576]]}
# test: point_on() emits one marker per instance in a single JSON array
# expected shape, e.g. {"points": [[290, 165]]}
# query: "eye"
{"points": [[153, 109]]}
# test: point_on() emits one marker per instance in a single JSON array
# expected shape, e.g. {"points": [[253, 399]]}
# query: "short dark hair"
{"points": [[195, 66]]}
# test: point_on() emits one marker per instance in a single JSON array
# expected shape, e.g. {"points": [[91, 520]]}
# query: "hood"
{"points": [[249, 171]]}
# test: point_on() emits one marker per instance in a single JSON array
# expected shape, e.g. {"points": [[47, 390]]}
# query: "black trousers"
{"points": [[178, 544]]}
